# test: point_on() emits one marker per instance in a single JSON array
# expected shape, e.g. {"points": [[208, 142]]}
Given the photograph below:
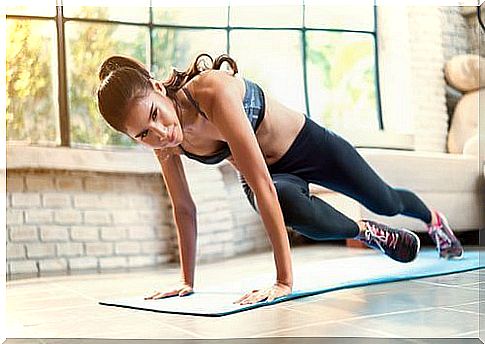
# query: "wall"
{"points": [[66, 220]]}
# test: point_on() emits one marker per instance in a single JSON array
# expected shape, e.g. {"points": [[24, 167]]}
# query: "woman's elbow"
{"points": [[265, 187], [185, 209]]}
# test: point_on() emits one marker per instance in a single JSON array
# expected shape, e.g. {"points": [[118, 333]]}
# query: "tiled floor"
{"points": [[67, 306]]}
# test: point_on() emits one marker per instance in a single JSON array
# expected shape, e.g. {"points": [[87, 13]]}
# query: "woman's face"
{"points": [[151, 120]]}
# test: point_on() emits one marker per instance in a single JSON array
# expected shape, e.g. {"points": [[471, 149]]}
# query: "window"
{"points": [[85, 49], [319, 60], [207, 16], [341, 87], [277, 67], [178, 48], [32, 113]]}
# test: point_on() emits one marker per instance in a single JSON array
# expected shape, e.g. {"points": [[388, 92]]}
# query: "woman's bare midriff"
{"points": [[275, 134]]}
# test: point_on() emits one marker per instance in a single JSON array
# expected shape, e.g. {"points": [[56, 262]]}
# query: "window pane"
{"points": [[273, 59], [179, 48], [190, 16], [349, 17], [32, 113], [47, 9], [341, 79], [87, 45], [267, 16], [138, 14]]}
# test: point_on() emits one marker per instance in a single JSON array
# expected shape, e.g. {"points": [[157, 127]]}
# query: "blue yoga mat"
{"points": [[310, 278]]}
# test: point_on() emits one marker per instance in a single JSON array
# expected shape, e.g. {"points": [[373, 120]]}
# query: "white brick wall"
{"points": [[83, 263], [455, 32], [395, 68], [93, 221], [70, 220], [426, 50]]}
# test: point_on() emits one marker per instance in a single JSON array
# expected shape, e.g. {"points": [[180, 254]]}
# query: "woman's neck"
{"points": [[185, 111]]}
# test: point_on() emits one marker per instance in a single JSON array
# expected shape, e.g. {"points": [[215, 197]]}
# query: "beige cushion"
{"points": [[461, 72], [465, 121], [424, 171], [471, 146]]}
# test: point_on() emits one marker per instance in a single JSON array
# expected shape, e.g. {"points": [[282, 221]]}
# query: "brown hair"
{"points": [[125, 79]]}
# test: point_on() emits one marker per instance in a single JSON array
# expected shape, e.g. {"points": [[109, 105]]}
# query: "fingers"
{"points": [[272, 295], [269, 294], [178, 291], [155, 293], [167, 294], [249, 297], [242, 297], [186, 291]]}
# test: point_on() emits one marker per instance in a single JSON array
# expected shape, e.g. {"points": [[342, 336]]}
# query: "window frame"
{"points": [[63, 101]]}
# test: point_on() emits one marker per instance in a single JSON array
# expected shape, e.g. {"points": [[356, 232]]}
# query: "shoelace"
{"points": [[378, 234], [441, 237]]}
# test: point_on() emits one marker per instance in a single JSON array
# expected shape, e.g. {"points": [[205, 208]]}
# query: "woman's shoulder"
{"points": [[212, 83], [213, 80]]}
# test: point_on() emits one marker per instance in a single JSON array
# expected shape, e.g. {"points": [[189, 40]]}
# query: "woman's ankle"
{"points": [[434, 219], [362, 228]]}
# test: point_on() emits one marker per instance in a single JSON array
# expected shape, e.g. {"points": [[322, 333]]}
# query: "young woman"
{"points": [[209, 115]]}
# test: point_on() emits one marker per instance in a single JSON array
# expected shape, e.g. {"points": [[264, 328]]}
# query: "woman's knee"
{"points": [[289, 190], [294, 200], [390, 204]]}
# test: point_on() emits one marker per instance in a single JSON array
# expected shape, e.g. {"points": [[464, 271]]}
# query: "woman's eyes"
{"points": [[154, 116]]}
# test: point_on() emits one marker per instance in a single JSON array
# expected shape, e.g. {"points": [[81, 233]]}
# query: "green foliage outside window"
{"points": [[88, 44], [340, 71], [31, 85]]}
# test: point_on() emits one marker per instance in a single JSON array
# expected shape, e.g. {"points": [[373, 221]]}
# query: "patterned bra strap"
{"points": [[194, 103]]}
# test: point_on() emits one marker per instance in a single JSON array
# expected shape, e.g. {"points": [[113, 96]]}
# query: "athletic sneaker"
{"points": [[398, 243], [447, 245]]}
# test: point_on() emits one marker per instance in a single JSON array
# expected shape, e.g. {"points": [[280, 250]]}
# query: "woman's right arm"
{"points": [[184, 213]]}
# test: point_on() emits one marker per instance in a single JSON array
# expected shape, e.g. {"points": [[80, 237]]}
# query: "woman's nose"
{"points": [[161, 130]]}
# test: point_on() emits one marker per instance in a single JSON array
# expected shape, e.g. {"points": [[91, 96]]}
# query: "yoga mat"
{"points": [[310, 278]]}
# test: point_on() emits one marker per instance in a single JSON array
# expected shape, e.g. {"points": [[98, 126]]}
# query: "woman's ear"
{"points": [[158, 86]]}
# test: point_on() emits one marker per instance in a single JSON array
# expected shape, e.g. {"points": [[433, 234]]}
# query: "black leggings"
{"points": [[320, 156]]}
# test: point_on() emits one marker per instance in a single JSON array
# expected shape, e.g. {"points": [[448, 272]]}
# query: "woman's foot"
{"points": [[398, 243], [447, 245]]}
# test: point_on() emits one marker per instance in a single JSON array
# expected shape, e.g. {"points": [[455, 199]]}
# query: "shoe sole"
{"points": [[453, 257], [450, 257], [417, 240]]}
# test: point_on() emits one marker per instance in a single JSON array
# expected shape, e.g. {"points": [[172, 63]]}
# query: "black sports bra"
{"points": [[254, 105]]}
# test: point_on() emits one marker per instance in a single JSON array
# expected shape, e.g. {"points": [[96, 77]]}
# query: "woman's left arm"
{"points": [[225, 111]]}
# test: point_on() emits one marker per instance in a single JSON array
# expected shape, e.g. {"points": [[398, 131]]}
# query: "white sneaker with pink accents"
{"points": [[447, 245]]}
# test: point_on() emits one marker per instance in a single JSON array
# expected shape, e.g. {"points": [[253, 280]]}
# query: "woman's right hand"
{"points": [[180, 290]]}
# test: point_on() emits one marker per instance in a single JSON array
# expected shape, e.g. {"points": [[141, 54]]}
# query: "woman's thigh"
{"points": [[347, 172]]}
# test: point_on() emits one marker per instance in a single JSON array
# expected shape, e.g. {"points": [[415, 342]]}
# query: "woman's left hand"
{"points": [[271, 293]]}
